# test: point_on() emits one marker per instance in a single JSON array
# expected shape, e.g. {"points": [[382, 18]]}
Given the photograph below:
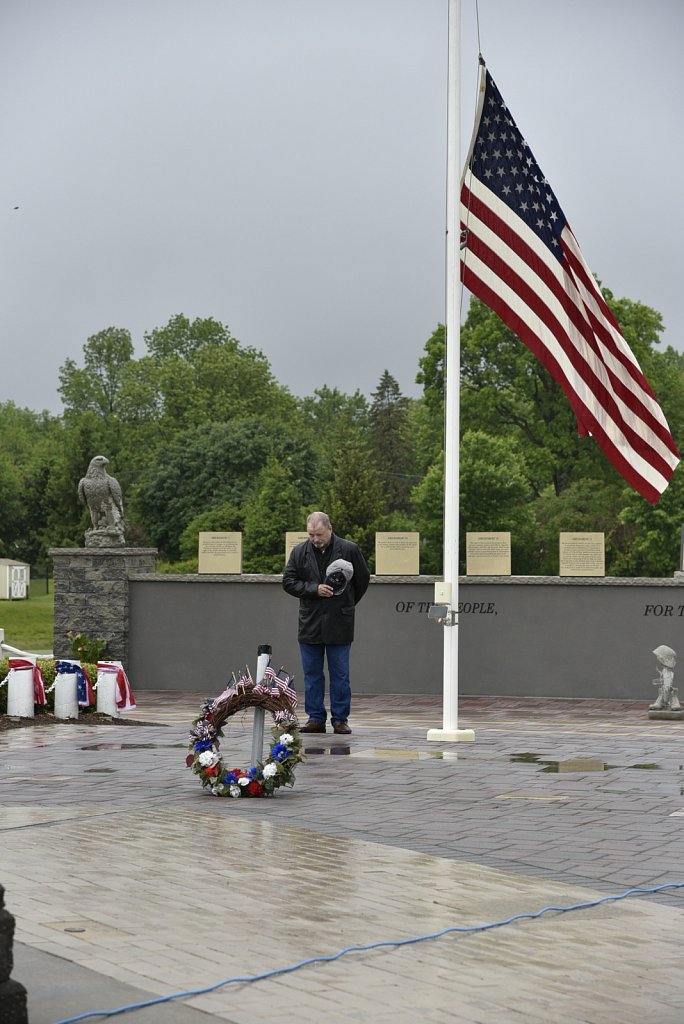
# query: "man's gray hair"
{"points": [[316, 518]]}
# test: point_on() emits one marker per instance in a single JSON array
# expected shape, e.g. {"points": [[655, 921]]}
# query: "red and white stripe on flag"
{"points": [[521, 258], [125, 699]]}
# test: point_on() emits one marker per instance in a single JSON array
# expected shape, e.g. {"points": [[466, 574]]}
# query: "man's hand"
{"points": [[324, 590]]}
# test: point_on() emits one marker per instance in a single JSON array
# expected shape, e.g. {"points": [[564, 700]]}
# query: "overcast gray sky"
{"points": [[279, 165]]}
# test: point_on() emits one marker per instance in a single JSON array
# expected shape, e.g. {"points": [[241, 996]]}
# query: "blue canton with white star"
{"points": [[503, 161]]}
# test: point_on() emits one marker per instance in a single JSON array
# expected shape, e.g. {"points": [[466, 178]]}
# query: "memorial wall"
{"points": [[518, 636]]}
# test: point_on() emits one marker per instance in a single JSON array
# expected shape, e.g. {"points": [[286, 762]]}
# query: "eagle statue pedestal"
{"points": [[104, 539], [92, 593]]}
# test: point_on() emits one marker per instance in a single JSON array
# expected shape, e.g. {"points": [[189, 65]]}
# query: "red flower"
{"points": [[211, 771], [255, 788]]}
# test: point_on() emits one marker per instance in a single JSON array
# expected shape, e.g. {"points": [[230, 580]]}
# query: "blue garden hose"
{"points": [[360, 949]]}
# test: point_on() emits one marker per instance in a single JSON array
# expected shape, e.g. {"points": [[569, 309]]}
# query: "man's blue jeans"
{"points": [[314, 680]]}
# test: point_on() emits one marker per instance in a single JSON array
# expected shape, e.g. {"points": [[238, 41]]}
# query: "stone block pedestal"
{"points": [[91, 595]]}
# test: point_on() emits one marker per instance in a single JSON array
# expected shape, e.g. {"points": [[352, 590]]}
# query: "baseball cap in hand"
{"points": [[338, 575]]}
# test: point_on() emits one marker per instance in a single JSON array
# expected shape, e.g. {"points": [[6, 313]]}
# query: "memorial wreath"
{"points": [[273, 694]]}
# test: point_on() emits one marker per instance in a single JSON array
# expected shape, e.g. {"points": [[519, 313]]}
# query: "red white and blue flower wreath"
{"points": [[273, 694]]}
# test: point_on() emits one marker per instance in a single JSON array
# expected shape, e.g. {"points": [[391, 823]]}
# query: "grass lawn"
{"points": [[28, 624]]}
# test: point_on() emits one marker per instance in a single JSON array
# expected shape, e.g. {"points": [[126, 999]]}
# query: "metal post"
{"points": [[263, 658], [447, 592]]}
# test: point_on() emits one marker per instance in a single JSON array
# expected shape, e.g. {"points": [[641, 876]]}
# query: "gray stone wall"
{"points": [[518, 636], [92, 595]]}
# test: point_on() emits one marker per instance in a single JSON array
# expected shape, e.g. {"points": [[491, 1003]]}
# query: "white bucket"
{"points": [[66, 695], [20, 692], [106, 694]]}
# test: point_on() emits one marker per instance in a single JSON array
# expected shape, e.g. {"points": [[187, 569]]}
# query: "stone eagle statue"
{"points": [[102, 494]]}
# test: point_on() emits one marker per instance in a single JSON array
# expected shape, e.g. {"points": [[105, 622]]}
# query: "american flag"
{"points": [[521, 258], [281, 681]]}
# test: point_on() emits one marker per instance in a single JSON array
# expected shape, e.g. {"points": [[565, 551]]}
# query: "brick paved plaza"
{"points": [[128, 882]]}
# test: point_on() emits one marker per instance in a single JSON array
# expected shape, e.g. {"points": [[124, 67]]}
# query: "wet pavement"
{"points": [[129, 882]]}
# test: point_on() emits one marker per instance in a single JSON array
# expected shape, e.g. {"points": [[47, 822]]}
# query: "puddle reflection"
{"points": [[395, 754], [134, 746], [574, 764], [339, 749]]}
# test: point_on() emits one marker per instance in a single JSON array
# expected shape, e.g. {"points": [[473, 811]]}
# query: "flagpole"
{"points": [[446, 593]]}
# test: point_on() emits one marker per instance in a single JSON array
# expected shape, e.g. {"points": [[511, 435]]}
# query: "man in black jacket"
{"points": [[326, 618]]}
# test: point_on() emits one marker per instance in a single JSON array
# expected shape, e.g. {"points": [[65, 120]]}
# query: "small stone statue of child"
{"points": [[667, 699]]}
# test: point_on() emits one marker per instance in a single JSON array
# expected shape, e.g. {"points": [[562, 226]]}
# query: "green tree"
{"points": [[99, 415], [181, 338], [581, 508], [428, 508], [195, 375], [209, 466], [332, 418], [391, 443], [495, 495], [11, 508], [654, 532], [353, 497], [432, 372], [29, 446], [97, 384], [274, 507], [427, 415], [198, 373]]}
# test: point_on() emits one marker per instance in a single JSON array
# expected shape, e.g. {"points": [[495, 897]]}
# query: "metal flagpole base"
{"points": [[258, 735], [263, 658], [451, 735]]}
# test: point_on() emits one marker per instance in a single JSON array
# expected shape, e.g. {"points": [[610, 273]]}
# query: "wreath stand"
{"points": [[263, 658], [269, 691]]}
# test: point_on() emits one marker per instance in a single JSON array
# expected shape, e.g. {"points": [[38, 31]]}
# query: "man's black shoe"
{"points": [[341, 728], [313, 726]]}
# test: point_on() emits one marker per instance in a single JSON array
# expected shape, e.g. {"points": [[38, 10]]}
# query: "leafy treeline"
{"points": [[202, 437]]}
